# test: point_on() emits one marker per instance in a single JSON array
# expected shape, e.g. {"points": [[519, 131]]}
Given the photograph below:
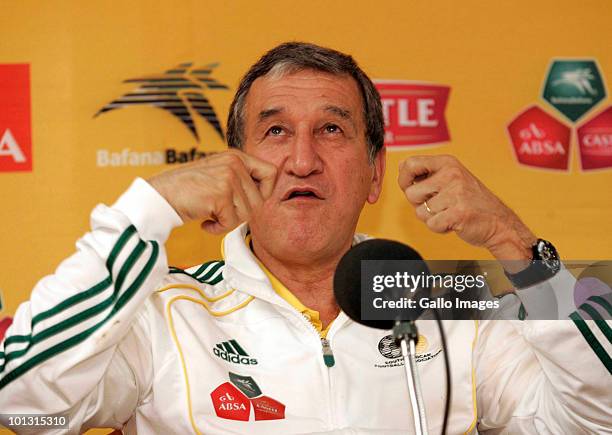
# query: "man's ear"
{"points": [[378, 174]]}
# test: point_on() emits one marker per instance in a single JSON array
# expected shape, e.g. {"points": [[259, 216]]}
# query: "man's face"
{"points": [[310, 125]]}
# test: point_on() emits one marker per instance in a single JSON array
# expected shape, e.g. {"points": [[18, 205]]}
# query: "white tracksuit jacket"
{"points": [[117, 339]]}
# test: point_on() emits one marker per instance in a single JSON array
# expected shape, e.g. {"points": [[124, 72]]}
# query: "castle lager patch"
{"points": [[595, 141], [414, 113]]}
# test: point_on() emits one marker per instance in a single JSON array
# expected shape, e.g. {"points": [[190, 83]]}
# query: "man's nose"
{"points": [[304, 158]]}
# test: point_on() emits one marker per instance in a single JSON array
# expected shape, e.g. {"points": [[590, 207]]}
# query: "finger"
{"points": [[252, 194], [442, 222], [420, 166], [437, 204], [224, 220], [421, 191], [422, 213], [264, 173], [241, 202]]}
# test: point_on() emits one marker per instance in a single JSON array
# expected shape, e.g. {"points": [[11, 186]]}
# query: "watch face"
{"points": [[548, 255]]}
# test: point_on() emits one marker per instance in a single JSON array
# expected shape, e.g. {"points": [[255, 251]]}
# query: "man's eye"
{"points": [[332, 128], [275, 131]]}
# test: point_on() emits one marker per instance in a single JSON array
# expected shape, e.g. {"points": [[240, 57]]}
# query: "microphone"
{"points": [[348, 291], [348, 277]]}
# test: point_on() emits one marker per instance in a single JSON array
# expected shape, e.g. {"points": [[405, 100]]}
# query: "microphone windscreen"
{"points": [[347, 278]]}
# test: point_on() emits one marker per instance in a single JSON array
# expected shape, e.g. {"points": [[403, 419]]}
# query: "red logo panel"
{"points": [[233, 402], [230, 403], [4, 325], [267, 408], [15, 123], [414, 113], [595, 141], [540, 140]]}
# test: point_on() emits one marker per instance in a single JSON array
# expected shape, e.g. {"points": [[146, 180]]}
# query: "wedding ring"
{"points": [[427, 208]]}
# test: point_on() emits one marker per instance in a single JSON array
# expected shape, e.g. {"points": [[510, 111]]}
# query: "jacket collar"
{"points": [[242, 270]]}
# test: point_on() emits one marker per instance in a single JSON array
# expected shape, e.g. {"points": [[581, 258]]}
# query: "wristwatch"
{"points": [[544, 265]]}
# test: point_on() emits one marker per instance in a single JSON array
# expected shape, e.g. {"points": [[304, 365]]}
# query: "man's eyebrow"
{"points": [[342, 113], [267, 113]]}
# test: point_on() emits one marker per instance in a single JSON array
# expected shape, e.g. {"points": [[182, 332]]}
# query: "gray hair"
{"points": [[292, 57]]}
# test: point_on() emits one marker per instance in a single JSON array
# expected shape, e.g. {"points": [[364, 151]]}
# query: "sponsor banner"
{"points": [[15, 118], [574, 87], [595, 141], [181, 92], [539, 140], [233, 400], [414, 113]]}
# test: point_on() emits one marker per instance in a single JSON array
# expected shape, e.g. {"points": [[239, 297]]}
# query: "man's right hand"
{"points": [[222, 189]]}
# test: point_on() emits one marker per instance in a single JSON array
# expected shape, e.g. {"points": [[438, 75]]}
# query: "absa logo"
{"points": [[540, 140], [15, 127]]}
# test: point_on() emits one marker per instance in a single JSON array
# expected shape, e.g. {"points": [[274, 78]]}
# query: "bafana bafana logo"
{"points": [[179, 91]]}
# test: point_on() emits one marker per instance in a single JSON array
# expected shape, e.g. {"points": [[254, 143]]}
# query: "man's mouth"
{"points": [[302, 193]]}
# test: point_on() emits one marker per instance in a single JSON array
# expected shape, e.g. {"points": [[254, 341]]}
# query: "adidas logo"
{"points": [[231, 351]]}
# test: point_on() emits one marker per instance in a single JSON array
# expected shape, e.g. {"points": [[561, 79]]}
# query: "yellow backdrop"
{"points": [[493, 55]]}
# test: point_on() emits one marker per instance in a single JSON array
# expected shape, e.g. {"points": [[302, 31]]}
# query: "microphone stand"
{"points": [[406, 334]]}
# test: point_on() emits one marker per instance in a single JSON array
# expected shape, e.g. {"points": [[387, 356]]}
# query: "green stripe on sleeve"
{"points": [[129, 263], [93, 291], [80, 337], [592, 341], [73, 300], [82, 315], [131, 290], [123, 238], [601, 301], [599, 321]]}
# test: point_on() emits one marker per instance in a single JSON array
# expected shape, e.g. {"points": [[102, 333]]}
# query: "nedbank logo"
{"points": [[231, 351], [179, 91], [574, 87]]}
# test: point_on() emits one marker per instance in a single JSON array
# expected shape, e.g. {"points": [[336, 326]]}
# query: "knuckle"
{"points": [[230, 158], [454, 172]]}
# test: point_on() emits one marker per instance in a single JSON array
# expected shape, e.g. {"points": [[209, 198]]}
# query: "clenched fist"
{"points": [[447, 197], [222, 190]]}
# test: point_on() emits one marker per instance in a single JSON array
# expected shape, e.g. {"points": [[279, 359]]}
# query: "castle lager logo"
{"points": [[414, 113], [595, 141], [15, 118], [540, 140], [179, 91], [574, 87]]}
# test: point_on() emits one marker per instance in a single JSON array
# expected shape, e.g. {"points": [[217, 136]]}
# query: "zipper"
{"points": [[329, 361], [328, 354]]}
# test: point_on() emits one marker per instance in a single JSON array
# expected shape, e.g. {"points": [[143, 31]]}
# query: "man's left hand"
{"points": [[447, 197]]}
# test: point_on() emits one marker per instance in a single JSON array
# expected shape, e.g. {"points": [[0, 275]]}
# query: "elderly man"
{"points": [[255, 343]]}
